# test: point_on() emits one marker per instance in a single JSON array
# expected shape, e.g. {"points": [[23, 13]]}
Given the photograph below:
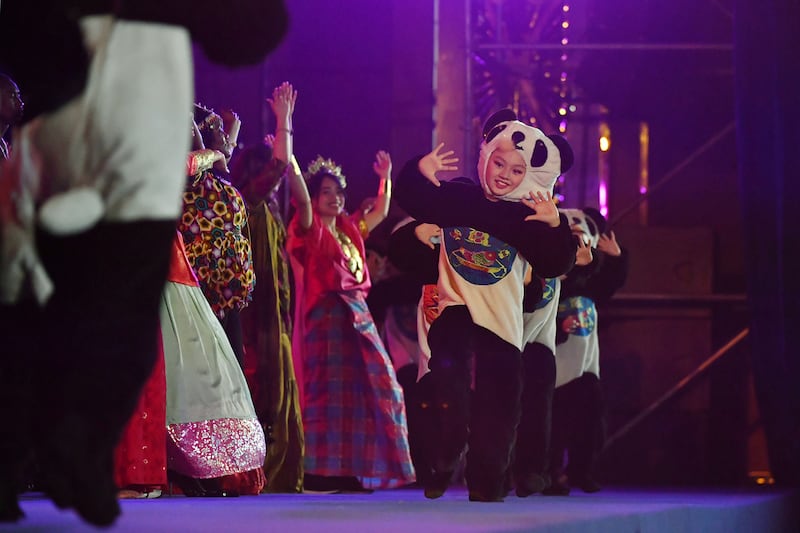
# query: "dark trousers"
{"points": [[490, 419], [532, 448], [85, 355], [417, 398], [578, 427]]}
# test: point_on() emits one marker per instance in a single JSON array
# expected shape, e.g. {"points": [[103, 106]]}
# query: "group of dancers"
{"points": [[237, 354]]}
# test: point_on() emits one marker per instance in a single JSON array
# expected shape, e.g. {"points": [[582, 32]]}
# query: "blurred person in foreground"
{"points": [[87, 211]]}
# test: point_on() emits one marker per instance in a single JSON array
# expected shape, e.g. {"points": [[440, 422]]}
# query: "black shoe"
{"points": [[192, 487], [477, 495], [531, 485], [589, 485], [558, 487], [437, 484]]}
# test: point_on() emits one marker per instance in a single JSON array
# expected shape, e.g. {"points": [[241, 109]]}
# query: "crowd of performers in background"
{"points": [[296, 353]]}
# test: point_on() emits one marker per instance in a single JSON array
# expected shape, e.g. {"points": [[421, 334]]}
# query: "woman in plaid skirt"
{"points": [[353, 412]]}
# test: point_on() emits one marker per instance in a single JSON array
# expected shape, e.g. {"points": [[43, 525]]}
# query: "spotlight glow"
{"points": [[603, 197]]}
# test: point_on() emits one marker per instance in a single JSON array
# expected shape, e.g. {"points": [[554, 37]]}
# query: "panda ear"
{"points": [[565, 150], [504, 115], [597, 217]]}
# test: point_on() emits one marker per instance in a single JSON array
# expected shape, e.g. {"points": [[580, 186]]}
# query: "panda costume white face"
{"points": [[587, 223], [546, 156]]}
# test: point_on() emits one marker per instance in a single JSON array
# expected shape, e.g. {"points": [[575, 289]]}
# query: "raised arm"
{"points": [[299, 193], [544, 240], [231, 124], [282, 102], [383, 168]]}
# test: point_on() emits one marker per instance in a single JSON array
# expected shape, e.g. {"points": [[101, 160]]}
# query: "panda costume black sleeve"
{"points": [[459, 204], [486, 250], [408, 254]]}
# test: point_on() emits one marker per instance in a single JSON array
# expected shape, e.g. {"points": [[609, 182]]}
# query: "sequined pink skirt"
{"points": [[215, 448]]}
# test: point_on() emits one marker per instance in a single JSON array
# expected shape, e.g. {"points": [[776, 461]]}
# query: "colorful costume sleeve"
{"points": [[213, 226], [199, 161]]}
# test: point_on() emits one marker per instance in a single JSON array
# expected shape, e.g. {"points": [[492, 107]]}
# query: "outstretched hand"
{"points": [[427, 234], [544, 207], [583, 256], [230, 120], [608, 244], [383, 164], [283, 99], [433, 162]]}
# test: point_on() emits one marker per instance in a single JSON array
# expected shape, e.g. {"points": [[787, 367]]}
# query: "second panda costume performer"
{"points": [[578, 411]]}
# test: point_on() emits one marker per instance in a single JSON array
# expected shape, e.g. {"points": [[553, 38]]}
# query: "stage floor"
{"points": [[617, 510]]}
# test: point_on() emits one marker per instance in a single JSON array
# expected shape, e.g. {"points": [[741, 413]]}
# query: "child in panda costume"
{"points": [[530, 471], [489, 240], [578, 412]]}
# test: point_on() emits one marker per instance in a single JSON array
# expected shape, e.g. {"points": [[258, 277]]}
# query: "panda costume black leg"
{"points": [[495, 415], [449, 382], [489, 422], [531, 457], [586, 441]]}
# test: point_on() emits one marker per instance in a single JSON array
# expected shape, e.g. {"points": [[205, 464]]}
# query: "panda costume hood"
{"points": [[546, 156], [591, 222]]}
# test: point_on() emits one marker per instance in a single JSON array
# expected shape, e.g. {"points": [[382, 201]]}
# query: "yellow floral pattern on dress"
{"points": [[213, 230]]}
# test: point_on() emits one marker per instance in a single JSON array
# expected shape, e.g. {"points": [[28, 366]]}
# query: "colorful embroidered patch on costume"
{"points": [[577, 316], [478, 257], [548, 291]]}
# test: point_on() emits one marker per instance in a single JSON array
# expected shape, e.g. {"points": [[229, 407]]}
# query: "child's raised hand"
{"points": [[544, 207], [608, 244], [583, 256], [433, 162], [428, 234]]}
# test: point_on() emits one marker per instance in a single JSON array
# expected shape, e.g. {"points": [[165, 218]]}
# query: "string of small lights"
{"points": [[563, 92]]}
